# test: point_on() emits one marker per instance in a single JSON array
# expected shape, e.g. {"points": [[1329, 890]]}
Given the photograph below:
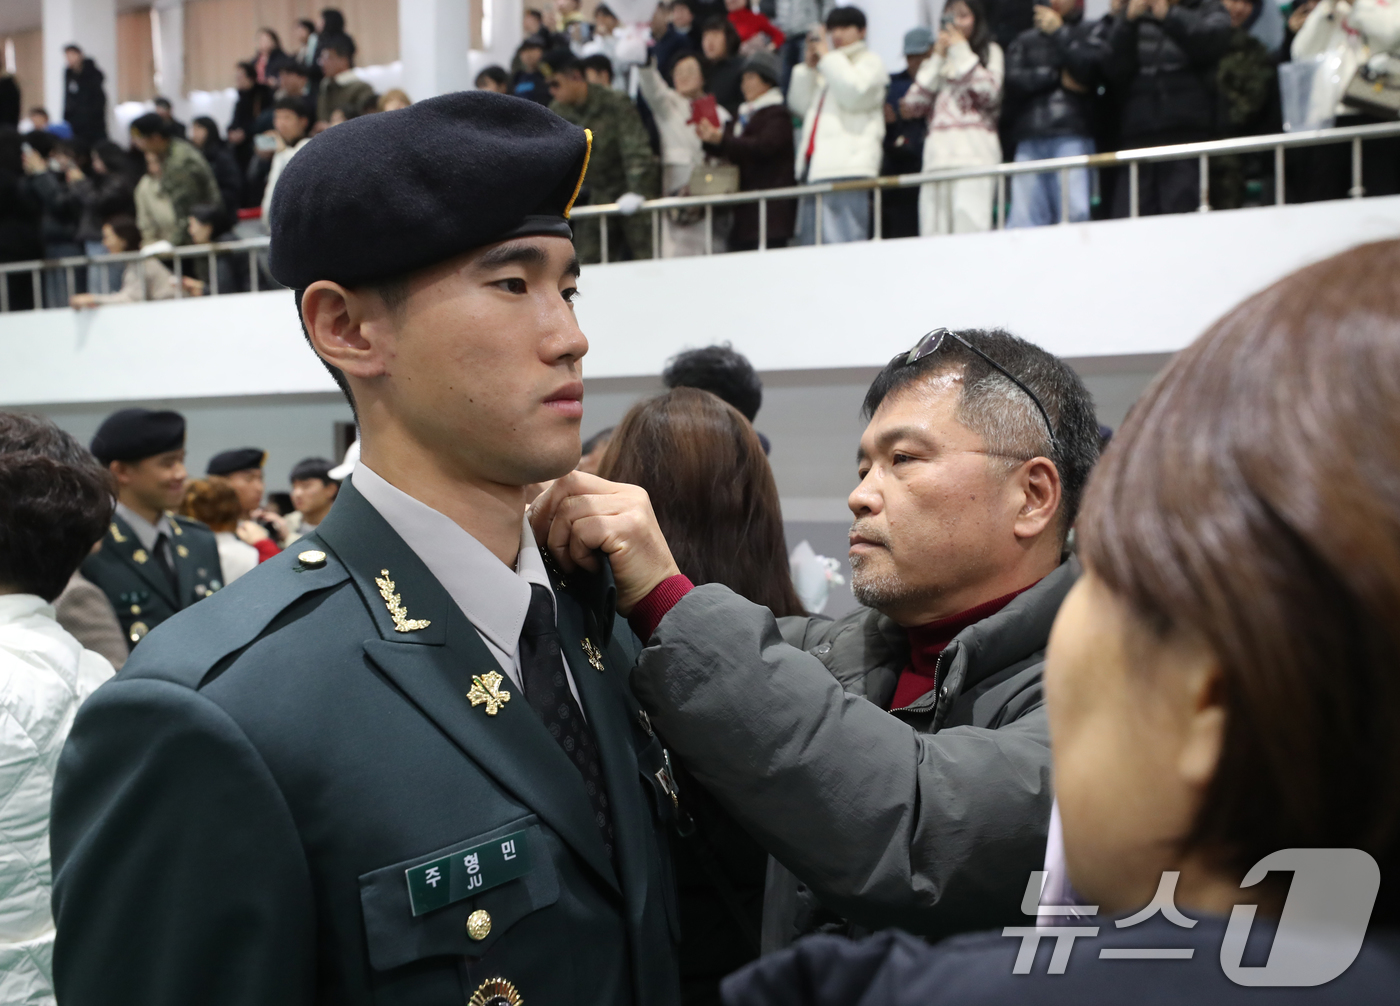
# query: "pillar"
{"points": [[168, 50], [90, 24], [434, 38]]}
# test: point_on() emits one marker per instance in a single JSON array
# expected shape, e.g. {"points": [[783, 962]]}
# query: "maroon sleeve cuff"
{"points": [[650, 610], [267, 548]]}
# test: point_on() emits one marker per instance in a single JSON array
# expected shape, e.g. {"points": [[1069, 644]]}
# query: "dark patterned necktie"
{"points": [[162, 554], [547, 691]]}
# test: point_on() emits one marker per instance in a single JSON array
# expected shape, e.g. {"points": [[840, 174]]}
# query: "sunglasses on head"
{"points": [[933, 341]]}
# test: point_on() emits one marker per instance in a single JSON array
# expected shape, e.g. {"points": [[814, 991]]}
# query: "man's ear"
{"points": [[347, 328], [1039, 481]]}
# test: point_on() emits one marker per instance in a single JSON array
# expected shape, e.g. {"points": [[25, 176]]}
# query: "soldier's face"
{"points": [[154, 483], [480, 365], [249, 486], [1136, 730], [313, 498], [935, 515]]}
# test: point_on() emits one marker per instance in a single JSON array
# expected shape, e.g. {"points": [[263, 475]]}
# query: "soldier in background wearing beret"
{"points": [[260, 527], [153, 562], [399, 762]]}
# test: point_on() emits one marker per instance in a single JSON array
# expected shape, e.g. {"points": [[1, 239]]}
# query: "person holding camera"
{"points": [[1163, 55], [840, 90], [959, 89], [1051, 71]]}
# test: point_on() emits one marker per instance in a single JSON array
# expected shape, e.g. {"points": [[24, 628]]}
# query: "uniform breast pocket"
{"points": [[460, 899]]}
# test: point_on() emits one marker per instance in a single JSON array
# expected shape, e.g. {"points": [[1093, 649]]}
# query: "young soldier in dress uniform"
{"points": [[153, 562], [397, 763]]}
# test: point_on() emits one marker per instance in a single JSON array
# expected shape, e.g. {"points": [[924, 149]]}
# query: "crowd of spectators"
{"points": [[62, 182], [714, 97]]}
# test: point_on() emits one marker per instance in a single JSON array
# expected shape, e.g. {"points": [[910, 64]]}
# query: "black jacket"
{"points": [[1166, 69], [1035, 97], [896, 969], [85, 102], [226, 174], [62, 209], [722, 80], [236, 814]]}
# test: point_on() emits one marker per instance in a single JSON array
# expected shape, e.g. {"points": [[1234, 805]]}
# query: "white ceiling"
{"points": [[25, 15]]}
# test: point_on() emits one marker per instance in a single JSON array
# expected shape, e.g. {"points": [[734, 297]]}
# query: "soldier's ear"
{"points": [[346, 328]]}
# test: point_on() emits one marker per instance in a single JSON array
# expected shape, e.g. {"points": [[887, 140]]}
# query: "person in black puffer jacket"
{"points": [[1052, 71], [1163, 55]]}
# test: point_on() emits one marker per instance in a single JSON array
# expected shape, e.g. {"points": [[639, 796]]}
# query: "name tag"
{"points": [[468, 872]]}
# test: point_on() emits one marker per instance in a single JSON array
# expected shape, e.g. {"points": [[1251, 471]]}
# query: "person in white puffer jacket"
{"points": [[840, 91], [55, 504]]}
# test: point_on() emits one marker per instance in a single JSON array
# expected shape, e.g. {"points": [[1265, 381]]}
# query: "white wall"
{"points": [[1112, 289]]}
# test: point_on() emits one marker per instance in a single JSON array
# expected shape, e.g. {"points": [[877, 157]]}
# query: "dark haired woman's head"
{"points": [[1223, 682], [204, 134], [126, 235], [55, 504], [701, 463], [969, 17]]}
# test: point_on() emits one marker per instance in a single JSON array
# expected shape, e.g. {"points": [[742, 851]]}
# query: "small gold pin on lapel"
{"points": [[496, 992], [402, 623], [174, 524], [182, 552], [117, 536], [594, 655], [140, 555], [487, 688], [314, 558]]}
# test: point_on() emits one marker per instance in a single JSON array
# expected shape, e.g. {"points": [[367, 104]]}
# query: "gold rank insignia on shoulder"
{"points": [[594, 655], [496, 992], [487, 688], [140, 555], [402, 623], [117, 535]]}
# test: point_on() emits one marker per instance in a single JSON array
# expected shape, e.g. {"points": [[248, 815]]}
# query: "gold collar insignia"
{"points": [[402, 623]]}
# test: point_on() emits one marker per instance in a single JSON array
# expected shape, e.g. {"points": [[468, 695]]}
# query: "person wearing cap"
{"points": [[622, 167], [904, 138], [759, 141], [398, 762], [313, 492], [153, 562], [259, 526]]}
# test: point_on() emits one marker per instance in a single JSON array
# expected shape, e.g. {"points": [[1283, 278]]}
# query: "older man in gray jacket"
{"points": [[895, 761]]}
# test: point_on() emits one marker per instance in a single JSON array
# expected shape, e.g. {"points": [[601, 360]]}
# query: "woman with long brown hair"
{"points": [[704, 469], [1223, 686], [709, 481]]}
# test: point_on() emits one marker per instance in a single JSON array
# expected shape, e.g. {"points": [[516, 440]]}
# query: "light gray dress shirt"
{"points": [[493, 596], [146, 532]]}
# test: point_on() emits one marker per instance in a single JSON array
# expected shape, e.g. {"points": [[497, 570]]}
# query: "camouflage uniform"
{"points": [[187, 179], [1245, 82], [622, 161]]}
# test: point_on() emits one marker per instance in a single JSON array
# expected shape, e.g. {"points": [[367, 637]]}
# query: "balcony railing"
{"points": [[256, 248]]}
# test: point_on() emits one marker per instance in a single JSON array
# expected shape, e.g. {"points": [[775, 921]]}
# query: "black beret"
{"points": [[386, 194], [240, 459], [312, 468], [136, 434]]}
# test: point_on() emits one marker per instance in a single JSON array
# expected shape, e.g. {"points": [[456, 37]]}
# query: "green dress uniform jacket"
{"points": [[621, 160], [140, 593], [285, 797]]}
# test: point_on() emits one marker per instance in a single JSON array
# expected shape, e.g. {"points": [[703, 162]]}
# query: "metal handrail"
{"points": [[1277, 142]]}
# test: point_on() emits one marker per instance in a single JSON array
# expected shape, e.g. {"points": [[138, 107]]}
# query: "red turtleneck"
{"points": [[926, 642]]}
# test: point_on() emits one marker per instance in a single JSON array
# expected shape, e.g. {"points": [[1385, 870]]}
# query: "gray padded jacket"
{"points": [[930, 818]]}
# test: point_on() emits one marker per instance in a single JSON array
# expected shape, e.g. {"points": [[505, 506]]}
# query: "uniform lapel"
{"points": [[434, 665], [122, 540], [183, 562], [608, 717]]}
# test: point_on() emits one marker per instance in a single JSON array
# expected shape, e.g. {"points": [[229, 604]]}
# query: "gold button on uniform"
{"points": [[312, 558], [479, 924], [136, 609]]}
